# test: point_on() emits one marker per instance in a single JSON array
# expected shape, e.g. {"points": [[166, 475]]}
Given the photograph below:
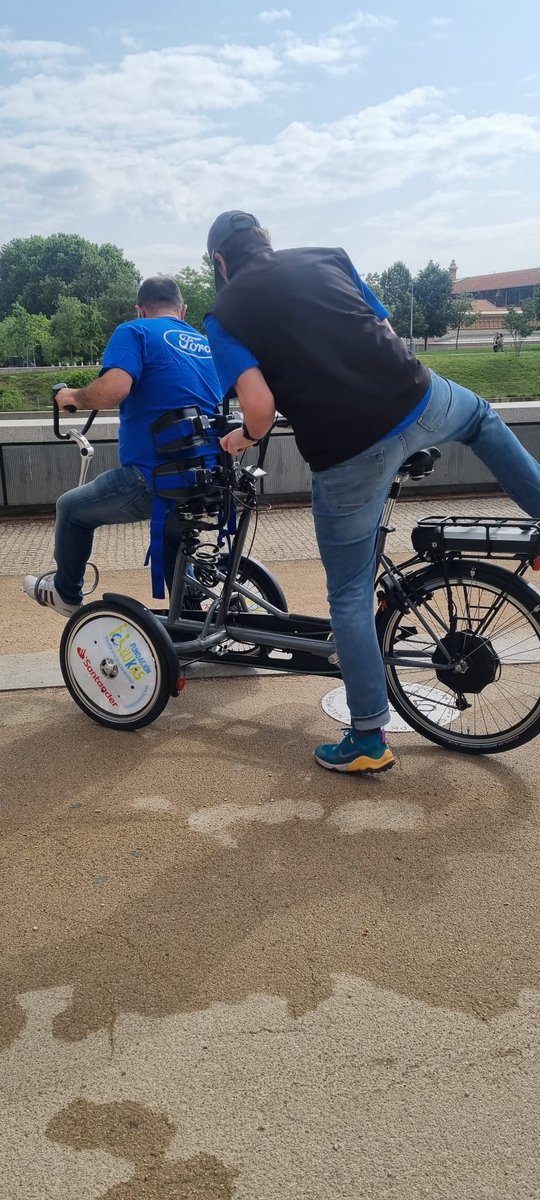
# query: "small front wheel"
{"points": [[114, 667], [465, 671]]}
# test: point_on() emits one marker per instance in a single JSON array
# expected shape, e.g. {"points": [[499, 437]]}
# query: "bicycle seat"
{"points": [[420, 464]]}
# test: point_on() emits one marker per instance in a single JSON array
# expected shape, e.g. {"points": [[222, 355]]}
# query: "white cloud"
{"points": [[456, 223], [328, 52], [25, 50], [191, 169], [270, 15], [156, 92], [256, 61], [129, 41], [338, 50], [364, 20], [440, 22], [149, 150]]}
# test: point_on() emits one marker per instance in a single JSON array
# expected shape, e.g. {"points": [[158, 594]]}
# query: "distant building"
{"points": [[492, 295], [504, 289]]}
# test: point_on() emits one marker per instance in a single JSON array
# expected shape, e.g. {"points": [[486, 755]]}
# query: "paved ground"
{"points": [[281, 534], [228, 974]]}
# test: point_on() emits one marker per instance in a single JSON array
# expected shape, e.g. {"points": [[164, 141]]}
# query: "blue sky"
{"points": [[408, 131]]}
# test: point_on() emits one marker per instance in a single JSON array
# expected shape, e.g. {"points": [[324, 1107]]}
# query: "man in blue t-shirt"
{"points": [[150, 366]]}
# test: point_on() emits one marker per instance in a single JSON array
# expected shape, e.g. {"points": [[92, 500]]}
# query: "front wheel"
{"points": [[468, 679], [262, 585], [114, 666]]}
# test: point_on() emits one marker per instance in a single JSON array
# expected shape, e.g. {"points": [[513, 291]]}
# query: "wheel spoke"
{"points": [[495, 638]]}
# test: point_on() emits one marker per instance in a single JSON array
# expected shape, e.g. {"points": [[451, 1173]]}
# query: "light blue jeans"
{"points": [[116, 497], [348, 501]]}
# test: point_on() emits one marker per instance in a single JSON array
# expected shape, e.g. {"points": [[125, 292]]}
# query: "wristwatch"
{"points": [[248, 435]]}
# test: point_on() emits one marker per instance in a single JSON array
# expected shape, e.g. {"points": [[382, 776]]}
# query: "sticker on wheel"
{"points": [[112, 664]]}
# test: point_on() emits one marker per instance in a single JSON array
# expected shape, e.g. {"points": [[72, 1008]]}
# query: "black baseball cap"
{"points": [[222, 229]]}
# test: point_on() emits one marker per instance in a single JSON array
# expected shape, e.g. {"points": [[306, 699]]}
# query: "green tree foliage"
{"points": [[68, 326], [38, 271], [521, 324], [374, 283], [396, 284], [461, 315], [92, 331], [433, 294], [198, 291], [26, 336], [116, 305]]}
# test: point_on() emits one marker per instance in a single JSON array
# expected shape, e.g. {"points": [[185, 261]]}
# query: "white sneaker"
{"points": [[42, 589]]}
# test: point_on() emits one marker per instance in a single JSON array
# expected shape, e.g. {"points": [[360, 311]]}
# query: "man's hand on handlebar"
{"points": [[66, 399], [235, 442]]}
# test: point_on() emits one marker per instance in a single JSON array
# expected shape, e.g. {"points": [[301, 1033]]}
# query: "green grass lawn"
{"points": [[29, 391], [495, 376]]}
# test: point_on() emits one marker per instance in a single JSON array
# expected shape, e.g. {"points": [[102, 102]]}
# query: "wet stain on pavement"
{"points": [[130, 1130], [438, 908]]}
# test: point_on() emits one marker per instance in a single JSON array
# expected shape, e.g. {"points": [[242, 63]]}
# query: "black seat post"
{"points": [[384, 527]]}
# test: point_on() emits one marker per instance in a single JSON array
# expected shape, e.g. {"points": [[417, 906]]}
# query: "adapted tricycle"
{"points": [[458, 632]]}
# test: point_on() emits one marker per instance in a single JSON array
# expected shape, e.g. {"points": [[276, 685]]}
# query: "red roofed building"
{"points": [[504, 289]]}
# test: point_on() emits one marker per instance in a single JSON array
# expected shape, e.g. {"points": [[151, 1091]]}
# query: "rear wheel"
{"points": [[261, 585], [486, 699], [114, 667]]}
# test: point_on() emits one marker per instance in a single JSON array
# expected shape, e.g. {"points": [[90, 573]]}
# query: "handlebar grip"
{"points": [[58, 387], [71, 408]]}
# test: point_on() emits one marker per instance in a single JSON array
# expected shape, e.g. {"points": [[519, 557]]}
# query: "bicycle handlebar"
{"points": [[64, 437]]}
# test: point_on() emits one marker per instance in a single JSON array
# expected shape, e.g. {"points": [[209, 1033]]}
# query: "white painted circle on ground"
{"points": [[433, 704]]}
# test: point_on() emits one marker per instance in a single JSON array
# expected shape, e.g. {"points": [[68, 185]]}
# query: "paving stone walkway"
{"points": [[282, 534]]}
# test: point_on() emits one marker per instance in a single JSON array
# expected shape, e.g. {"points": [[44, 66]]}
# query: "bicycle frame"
{"points": [[281, 640], [293, 642]]}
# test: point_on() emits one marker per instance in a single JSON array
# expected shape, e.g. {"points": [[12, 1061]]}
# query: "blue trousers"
{"points": [[116, 497], [348, 501]]}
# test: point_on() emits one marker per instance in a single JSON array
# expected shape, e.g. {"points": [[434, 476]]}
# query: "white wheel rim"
{"points": [[112, 665]]}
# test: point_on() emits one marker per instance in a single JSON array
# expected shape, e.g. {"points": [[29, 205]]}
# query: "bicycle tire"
{"points": [[116, 700], [463, 731], [251, 571], [254, 573]]}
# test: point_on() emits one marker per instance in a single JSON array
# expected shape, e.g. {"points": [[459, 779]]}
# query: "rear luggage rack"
{"points": [[490, 537]]}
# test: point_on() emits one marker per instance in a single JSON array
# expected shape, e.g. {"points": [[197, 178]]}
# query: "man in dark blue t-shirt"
{"points": [[150, 366]]}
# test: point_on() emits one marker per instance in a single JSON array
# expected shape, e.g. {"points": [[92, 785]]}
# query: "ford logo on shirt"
{"points": [[188, 342]]}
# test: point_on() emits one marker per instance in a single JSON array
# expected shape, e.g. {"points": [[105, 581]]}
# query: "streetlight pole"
{"points": [[412, 317]]}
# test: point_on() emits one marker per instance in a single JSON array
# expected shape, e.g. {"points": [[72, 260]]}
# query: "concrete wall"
{"points": [[35, 468]]}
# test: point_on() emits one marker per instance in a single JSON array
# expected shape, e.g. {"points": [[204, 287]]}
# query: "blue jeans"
{"points": [[115, 498], [348, 501]]}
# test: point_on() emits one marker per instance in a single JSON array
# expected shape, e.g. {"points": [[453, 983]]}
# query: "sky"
{"points": [[407, 131]]}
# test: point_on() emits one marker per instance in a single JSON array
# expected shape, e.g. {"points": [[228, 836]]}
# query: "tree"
{"points": [[26, 336], [92, 330], [536, 302], [67, 326], [117, 304], [520, 324], [433, 293], [38, 271], [198, 291], [374, 283], [462, 314], [396, 283]]}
